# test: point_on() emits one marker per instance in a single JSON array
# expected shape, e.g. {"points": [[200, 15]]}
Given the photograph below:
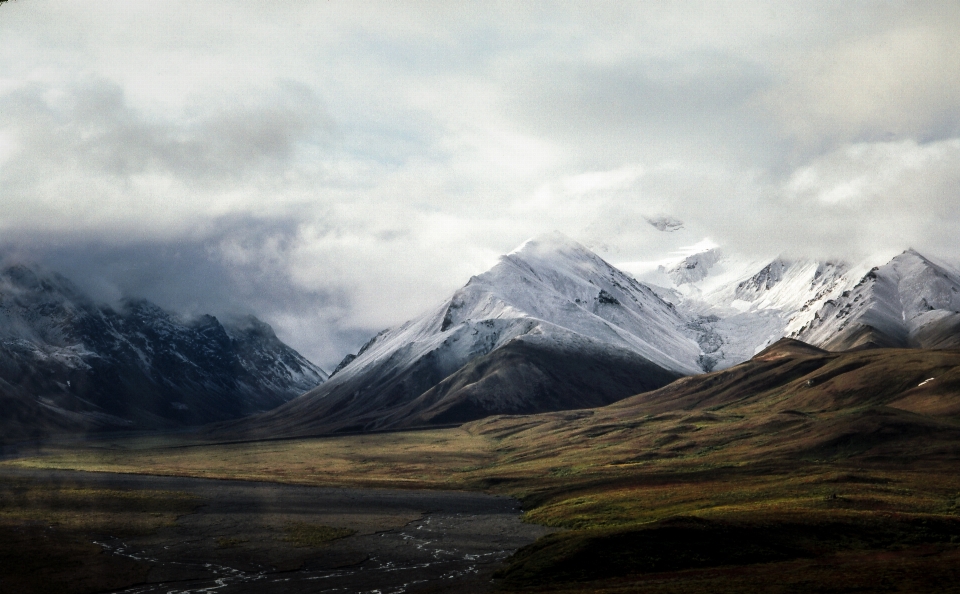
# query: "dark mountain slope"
{"points": [[573, 331], [68, 364], [522, 377]]}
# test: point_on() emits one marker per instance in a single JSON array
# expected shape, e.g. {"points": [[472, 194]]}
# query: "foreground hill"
{"points": [[550, 327], [791, 401], [799, 470], [68, 364]]}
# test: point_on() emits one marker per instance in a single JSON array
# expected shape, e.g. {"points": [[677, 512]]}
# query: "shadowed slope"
{"points": [[523, 377], [575, 332], [68, 364]]}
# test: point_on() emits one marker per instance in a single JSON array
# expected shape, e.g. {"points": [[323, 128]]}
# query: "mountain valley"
{"points": [[555, 327], [718, 426], [799, 469]]}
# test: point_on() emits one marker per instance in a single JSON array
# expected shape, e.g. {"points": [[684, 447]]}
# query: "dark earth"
{"points": [[237, 539]]}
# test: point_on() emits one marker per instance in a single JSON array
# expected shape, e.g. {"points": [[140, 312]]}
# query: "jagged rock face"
{"points": [[908, 302], [735, 308], [766, 279], [693, 268], [549, 303], [82, 366]]}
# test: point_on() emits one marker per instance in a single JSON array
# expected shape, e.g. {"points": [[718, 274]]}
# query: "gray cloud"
{"points": [[691, 106], [92, 123], [237, 268], [338, 168]]}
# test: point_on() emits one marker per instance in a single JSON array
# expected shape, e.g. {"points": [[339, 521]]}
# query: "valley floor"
{"points": [[798, 471], [680, 524], [172, 534]]}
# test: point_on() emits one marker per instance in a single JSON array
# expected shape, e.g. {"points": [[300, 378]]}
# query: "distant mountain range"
{"points": [[739, 308], [909, 302], [68, 364], [553, 326]]}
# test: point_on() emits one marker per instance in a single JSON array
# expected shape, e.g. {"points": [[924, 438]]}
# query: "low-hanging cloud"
{"points": [[894, 84], [337, 172]]}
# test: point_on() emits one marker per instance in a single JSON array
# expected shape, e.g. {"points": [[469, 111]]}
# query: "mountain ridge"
{"points": [[553, 326], [549, 295], [910, 301], [70, 364]]}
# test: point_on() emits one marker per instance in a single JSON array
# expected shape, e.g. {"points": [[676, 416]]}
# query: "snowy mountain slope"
{"points": [[774, 302], [694, 268], [68, 363], [909, 302], [736, 307], [552, 301]]}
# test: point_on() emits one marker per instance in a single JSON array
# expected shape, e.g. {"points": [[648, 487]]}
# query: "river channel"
{"points": [[404, 541]]}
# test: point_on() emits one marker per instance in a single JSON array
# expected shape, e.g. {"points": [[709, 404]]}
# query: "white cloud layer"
{"points": [[339, 167]]}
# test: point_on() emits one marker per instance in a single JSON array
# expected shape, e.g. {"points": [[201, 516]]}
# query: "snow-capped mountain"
{"points": [[737, 307], [67, 363], [551, 326], [909, 302], [694, 268]]}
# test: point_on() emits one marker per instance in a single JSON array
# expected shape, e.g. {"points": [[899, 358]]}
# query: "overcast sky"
{"points": [[338, 167]]}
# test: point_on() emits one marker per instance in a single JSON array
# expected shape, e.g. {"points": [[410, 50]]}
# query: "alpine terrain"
{"points": [[908, 302], [738, 308], [552, 326], [68, 364]]}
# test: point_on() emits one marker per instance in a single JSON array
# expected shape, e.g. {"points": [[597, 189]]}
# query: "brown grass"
{"points": [[423, 459], [787, 442], [46, 529]]}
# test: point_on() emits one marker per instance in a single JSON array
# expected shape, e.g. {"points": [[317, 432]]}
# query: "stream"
{"points": [[405, 540]]}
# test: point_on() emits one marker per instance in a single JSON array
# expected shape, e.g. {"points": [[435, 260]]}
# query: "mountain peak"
{"points": [[553, 242], [910, 253], [693, 268], [71, 364], [909, 301], [549, 316]]}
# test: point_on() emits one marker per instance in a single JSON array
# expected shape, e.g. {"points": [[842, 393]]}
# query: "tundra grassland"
{"points": [[47, 525], [797, 471]]}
